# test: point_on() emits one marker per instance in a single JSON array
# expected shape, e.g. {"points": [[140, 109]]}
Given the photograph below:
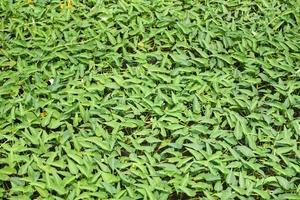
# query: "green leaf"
{"points": [[246, 151]]}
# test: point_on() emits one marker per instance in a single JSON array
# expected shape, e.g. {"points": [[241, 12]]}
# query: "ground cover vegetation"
{"points": [[161, 99]]}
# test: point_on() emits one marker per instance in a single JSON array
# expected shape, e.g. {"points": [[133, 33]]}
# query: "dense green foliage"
{"points": [[137, 99]]}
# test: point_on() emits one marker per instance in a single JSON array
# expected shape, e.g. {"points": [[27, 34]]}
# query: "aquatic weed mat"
{"points": [[149, 99]]}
